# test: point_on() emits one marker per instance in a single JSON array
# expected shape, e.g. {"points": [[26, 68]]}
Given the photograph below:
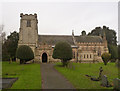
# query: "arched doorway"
{"points": [[44, 57]]}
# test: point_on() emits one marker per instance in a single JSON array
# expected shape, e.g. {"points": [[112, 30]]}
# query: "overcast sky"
{"points": [[62, 17]]}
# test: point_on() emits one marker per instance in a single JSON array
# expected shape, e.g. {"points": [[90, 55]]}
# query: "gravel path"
{"points": [[52, 79]]}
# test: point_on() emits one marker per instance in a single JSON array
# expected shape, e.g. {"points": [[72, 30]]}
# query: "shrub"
{"points": [[62, 51], [24, 53], [106, 57], [119, 52]]}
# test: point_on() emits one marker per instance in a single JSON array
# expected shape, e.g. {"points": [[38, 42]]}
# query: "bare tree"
{"points": [[2, 34]]}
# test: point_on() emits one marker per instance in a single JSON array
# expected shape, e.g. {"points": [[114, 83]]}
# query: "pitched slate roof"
{"points": [[53, 39], [89, 39]]}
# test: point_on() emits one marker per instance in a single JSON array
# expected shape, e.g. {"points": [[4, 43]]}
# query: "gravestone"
{"points": [[104, 81], [116, 83], [71, 66]]}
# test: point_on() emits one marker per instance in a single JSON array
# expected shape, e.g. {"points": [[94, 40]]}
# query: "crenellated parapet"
{"points": [[28, 16], [28, 33]]}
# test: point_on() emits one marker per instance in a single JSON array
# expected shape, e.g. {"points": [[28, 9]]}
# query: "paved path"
{"points": [[52, 79]]}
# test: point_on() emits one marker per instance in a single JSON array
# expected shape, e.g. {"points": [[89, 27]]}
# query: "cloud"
{"points": [[61, 17]]}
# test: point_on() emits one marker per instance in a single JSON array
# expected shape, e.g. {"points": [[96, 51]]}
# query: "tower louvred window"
{"points": [[28, 23]]}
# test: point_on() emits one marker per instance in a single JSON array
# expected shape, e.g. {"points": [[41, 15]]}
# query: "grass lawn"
{"points": [[80, 81], [29, 76]]}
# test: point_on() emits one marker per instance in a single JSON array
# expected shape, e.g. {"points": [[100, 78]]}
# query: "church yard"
{"points": [[77, 75], [60, 61], [29, 76]]}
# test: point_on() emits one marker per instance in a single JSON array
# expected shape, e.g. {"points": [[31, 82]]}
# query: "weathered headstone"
{"points": [[116, 83], [116, 63], [10, 61], [17, 60], [104, 81], [71, 66]]}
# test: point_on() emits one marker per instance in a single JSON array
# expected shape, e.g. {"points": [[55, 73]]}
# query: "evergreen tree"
{"points": [[106, 57], [62, 51], [110, 34], [24, 53], [9, 47]]}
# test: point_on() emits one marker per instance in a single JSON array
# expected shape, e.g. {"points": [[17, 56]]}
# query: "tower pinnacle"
{"points": [[72, 32]]}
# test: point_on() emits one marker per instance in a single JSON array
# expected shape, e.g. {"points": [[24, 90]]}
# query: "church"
{"points": [[85, 48]]}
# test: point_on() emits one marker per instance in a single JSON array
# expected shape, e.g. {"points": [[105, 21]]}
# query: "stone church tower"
{"points": [[28, 34], [85, 48]]}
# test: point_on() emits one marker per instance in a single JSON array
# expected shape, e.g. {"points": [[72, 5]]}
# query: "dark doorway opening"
{"points": [[44, 57]]}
